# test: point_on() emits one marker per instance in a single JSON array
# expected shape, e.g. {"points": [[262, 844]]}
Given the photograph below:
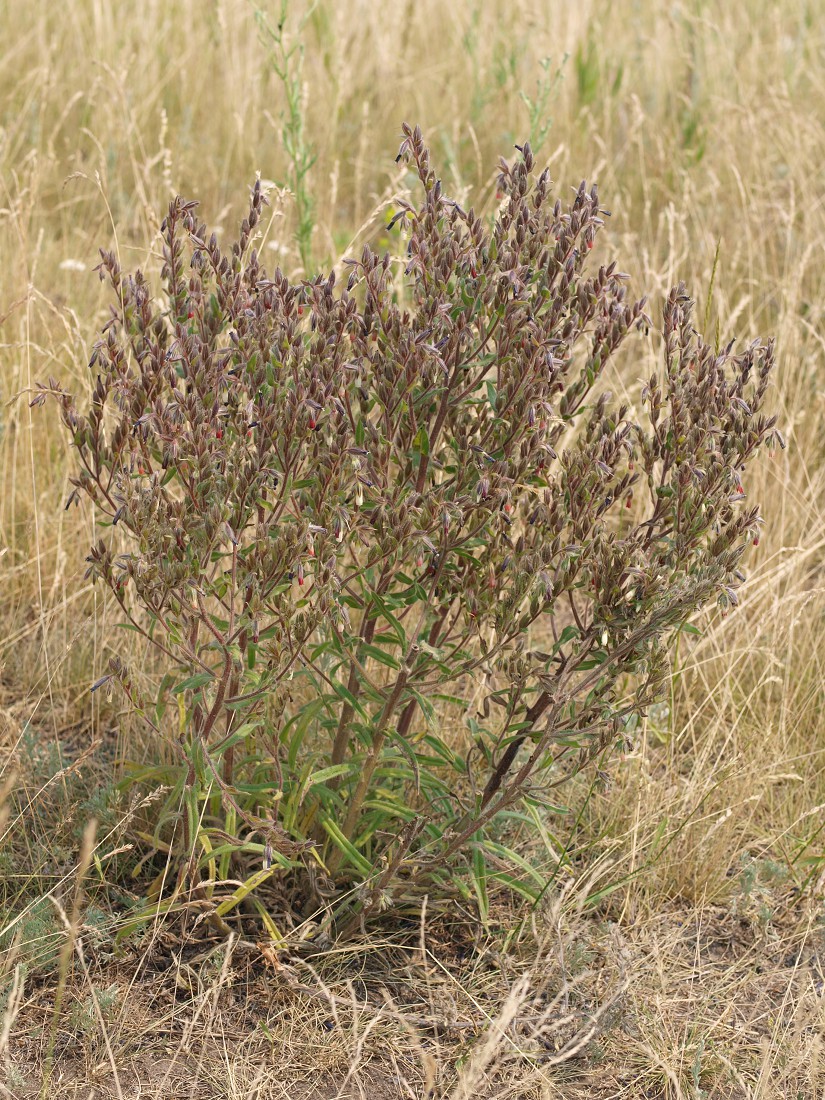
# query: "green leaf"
{"points": [[595, 659], [513, 857], [269, 924], [453, 700], [689, 628], [324, 774], [384, 606], [517, 727], [240, 734], [567, 635], [407, 751], [346, 847], [252, 883], [345, 694], [491, 394], [379, 655], [391, 809], [192, 683], [479, 881], [165, 685], [442, 750], [427, 708], [295, 729]]}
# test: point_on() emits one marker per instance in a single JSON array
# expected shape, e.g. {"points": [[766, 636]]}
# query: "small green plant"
{"points": [[538, 106], [84, 1014], [36, 938], [336, 510], [287, 58]]}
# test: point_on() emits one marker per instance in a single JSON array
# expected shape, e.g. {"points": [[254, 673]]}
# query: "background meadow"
{"points": [[680, 949]]}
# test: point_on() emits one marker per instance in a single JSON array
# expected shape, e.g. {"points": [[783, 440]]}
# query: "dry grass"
{"points": [[684, 959]]}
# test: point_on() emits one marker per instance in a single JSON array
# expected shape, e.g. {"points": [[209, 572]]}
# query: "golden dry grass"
{"points": [[691, 929]]}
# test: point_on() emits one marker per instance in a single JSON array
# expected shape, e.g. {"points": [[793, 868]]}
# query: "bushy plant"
{"points": [[335, 508]]}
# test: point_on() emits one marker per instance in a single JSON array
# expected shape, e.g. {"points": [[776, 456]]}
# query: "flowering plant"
{"points": [[336, 511]]}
